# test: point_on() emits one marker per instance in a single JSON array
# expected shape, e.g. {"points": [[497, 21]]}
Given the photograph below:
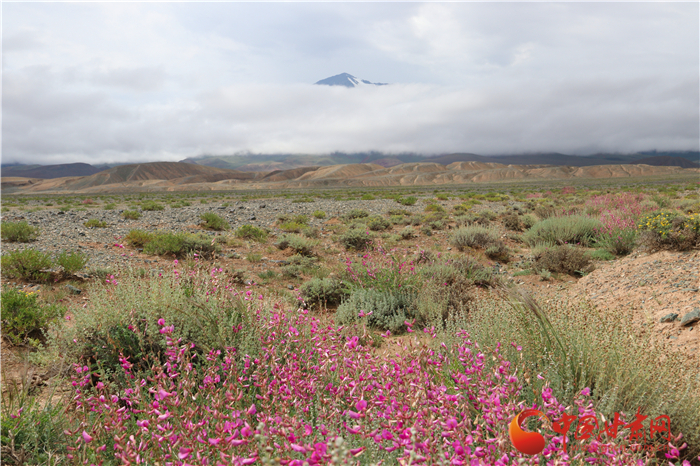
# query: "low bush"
{"points": [[27, 265], [498, 252], [356, 239], [151, 206], [298, 265], [72, 262], [355, 214], [400, 212], [434, 208], [211, 221], [378, 223], [138, 238], [368, 197], [251, 232], [384, 309], [131, 214], [24, 318], [319, 214], [254, 257], [528, 220], [323, 292], [407, 201], [566, 259], [292, 227], [474, 237], [298, 244], [512, 222], [407, 233], [95, 223], [670, 230], [18, 232], [110, 206], [572, 229], [181, 244]]}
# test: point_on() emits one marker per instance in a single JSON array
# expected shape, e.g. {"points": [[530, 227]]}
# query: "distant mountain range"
{"points": [[347, 80], [266, 163], [179, 176]]}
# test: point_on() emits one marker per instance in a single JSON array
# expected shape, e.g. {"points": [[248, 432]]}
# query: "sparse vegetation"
{"points": [[18, 232]]}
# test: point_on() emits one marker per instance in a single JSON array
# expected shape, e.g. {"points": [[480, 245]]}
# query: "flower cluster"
{"points": [[317, 396]]}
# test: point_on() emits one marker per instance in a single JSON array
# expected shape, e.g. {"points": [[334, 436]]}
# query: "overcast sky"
{"points": [[128, 82]]}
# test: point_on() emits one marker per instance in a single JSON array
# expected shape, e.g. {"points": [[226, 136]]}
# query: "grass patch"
{"points": [[95, 223], [27, 264]]}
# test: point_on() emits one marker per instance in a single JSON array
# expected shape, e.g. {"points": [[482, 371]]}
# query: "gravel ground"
{"points": [[65, 230]]}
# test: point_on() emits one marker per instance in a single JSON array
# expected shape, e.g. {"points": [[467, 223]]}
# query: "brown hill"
{"points": [[667, 161], [178, 176]]}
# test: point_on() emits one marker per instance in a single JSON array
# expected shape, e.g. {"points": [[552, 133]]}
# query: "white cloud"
{"points": [[130, 82]]}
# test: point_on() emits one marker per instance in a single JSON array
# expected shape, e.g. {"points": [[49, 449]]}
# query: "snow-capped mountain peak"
{"points": [[347, 80]]}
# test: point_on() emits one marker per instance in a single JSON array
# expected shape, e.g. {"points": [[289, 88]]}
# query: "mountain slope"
{"points": [[50, 171]]}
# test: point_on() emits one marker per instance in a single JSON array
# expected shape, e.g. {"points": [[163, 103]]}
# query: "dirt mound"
{"points": [[643, 288]]}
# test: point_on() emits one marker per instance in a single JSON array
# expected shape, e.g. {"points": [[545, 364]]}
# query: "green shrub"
{"points": [[138, 238], [298, 244], [399, 220], [212, 221], [407, 201], [442, 197], [95, 223], [324, 292], [400, 212], [562, 259], [27, 264], [437, 225], [319, 214], [389, 309], [251, 232], [498, 252], [426, 230], [110, 206], [72, 261], [368, 197], [573, 229], [356, 239], [473, 237], [299, 264], [131, 214], [378, 223], [434, 208], [24, 318], [37, 435], [203, 314], [512, 222], [254, 257], [355, 214], [292, 227], [407, 233], [181, 244], [311, 232], [601, 255], [528, 220], [18, 232], [545, 211], [151, 206]]}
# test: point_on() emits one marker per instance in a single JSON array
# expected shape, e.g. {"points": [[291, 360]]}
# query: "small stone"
{"points": [[669, 318], [290, 287], [73, 289], [691, 317]]}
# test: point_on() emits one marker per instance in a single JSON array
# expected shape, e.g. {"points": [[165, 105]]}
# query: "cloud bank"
{"points": [[136, 82]]}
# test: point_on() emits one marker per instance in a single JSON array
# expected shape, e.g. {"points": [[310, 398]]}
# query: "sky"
{"points": [[138, 82]]}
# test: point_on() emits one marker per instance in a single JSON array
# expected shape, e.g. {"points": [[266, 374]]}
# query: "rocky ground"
{"points": [[653, 289]]}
